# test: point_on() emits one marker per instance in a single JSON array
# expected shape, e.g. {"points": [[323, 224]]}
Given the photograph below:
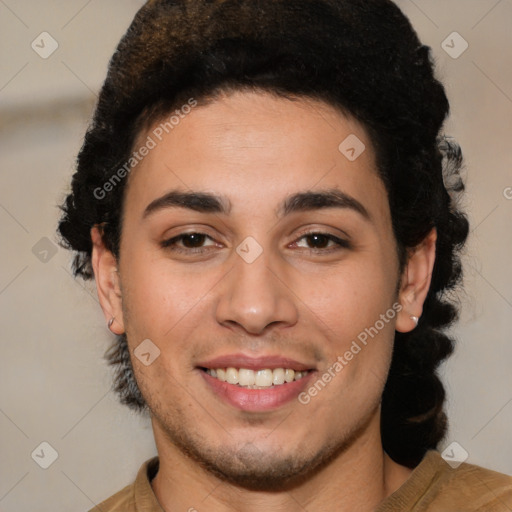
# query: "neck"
{"points": [[358, 478]]}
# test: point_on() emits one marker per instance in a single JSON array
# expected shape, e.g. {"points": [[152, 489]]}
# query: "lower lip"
{"points": [[257, 399]]}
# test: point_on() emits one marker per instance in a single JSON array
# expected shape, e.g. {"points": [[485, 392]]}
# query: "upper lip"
{"points": [[254, 363]]}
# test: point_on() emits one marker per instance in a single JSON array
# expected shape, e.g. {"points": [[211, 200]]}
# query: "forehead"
{"points": [[254, 149]]}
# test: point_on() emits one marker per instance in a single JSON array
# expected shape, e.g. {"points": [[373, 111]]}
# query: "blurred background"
{"points": [[54, 384]]}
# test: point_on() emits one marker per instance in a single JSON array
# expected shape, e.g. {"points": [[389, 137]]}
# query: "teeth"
{"points": [[289, 375], [258, 379], [263, 378], [278, 376], [245, 377], [232, 375]]}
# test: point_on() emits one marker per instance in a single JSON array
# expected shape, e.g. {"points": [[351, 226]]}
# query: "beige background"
{"points": [[54, 385]]}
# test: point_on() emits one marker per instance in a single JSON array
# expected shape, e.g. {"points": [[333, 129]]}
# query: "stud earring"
{"points": [[415, 319], [109, 324]]}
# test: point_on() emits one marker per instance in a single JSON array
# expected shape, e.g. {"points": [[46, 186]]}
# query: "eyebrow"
{"points": [[205, 202]]}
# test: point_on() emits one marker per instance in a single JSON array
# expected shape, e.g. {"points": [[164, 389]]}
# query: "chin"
{"points": [[259, 469], [252, 469]]}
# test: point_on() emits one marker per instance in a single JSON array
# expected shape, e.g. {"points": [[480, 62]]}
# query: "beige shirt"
{"points": [[433, 486]]}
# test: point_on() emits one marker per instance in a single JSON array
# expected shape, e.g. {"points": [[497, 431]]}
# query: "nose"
{"points": [[254, 296]]}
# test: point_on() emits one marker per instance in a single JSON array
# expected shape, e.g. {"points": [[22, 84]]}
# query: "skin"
{"points": [[256, 149]]}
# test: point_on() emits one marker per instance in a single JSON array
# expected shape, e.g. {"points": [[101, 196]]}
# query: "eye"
{"points": [[192, 242], [321, 241]]}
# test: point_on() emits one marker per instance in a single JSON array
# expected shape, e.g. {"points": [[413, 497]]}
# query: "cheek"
{"points": [[352, 297], [163, 302], [354, 310], [155, 290]]}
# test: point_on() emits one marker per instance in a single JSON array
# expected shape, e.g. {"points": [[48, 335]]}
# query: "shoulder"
{"points": [[482, 489], [124, 501], [436, 486], [136, 496]]}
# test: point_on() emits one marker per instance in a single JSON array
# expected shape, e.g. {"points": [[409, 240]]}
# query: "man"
{"points": [[260, 199]]}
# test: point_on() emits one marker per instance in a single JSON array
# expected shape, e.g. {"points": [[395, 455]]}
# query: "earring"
{"points": [[415, 319], [109, 324]]}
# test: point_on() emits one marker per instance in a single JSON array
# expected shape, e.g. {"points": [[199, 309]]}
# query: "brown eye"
{"points": [[320, 242], [193, 240], [190, 242]]}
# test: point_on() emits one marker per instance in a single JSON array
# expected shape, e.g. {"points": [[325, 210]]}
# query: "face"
{"points": [[279, 268]]}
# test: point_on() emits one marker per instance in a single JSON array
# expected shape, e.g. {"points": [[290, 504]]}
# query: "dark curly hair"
{"points": [[360, 56]]}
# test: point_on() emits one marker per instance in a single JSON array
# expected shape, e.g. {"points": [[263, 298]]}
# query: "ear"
{"points": [[415, 282], [106, 275]]}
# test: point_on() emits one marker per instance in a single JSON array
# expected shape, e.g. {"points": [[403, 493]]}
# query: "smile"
{"points": [[256, 379]]}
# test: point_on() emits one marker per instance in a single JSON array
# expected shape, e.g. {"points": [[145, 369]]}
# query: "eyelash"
{"points": [[171, 243]]}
